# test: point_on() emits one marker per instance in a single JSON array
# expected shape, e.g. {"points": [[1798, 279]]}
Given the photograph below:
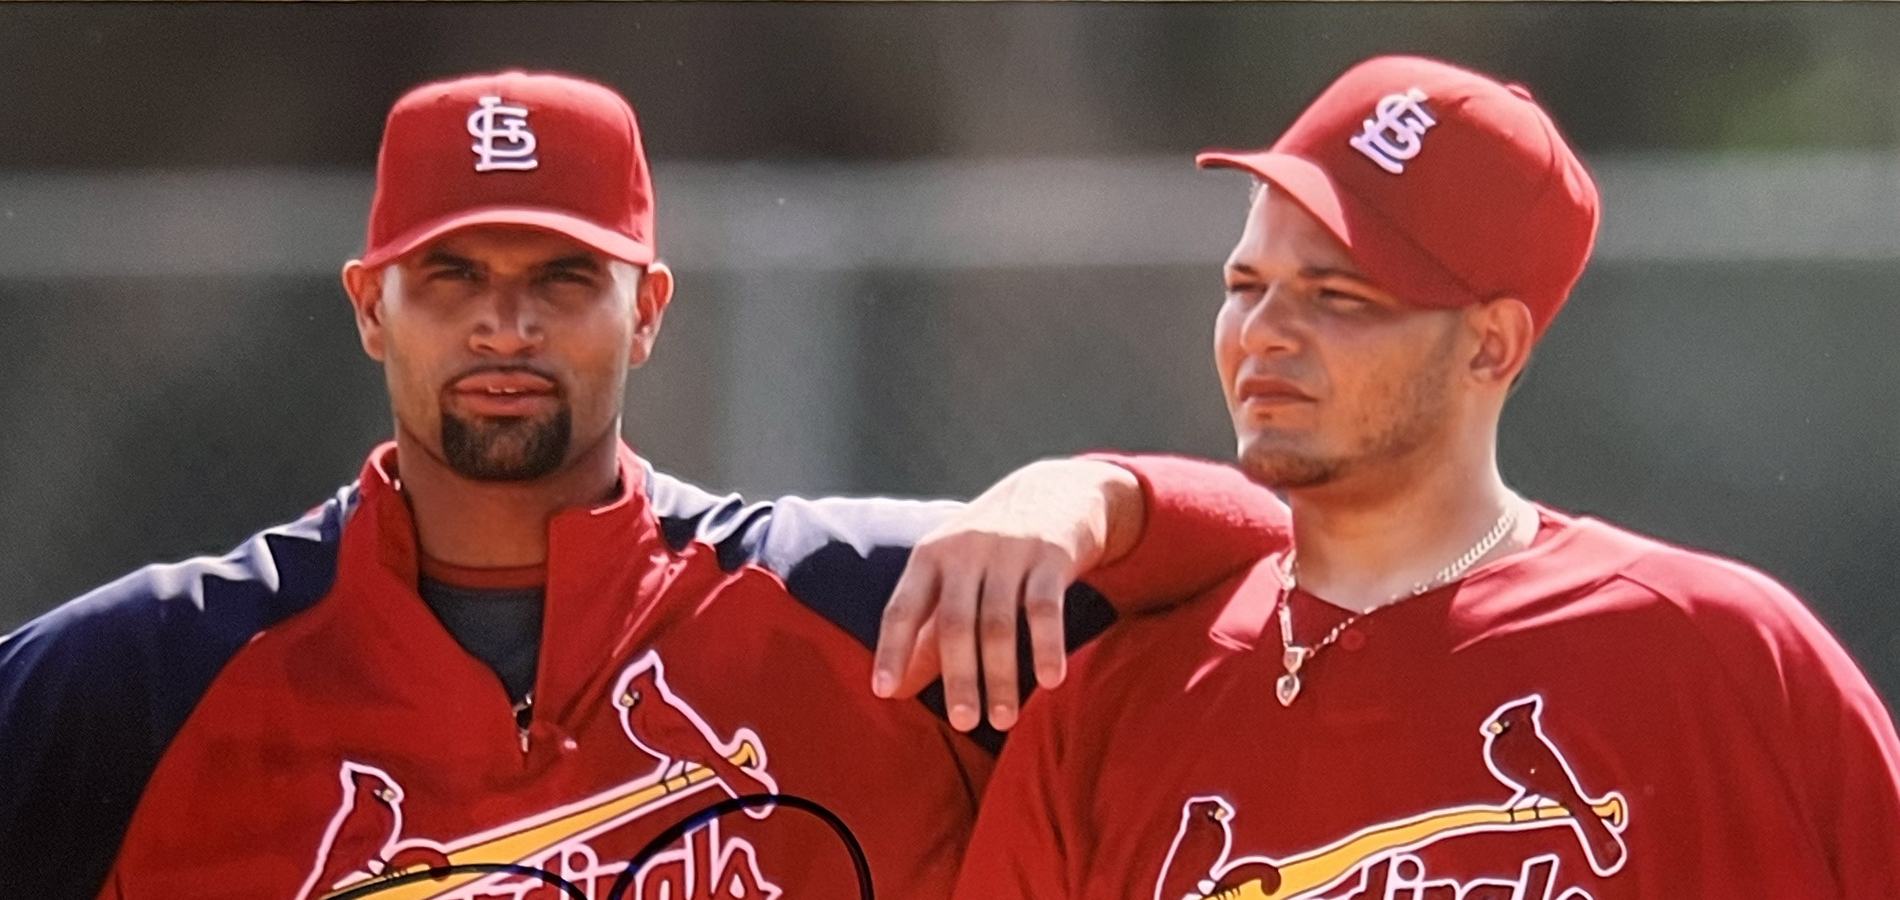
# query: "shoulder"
{"points": [[1589, 571], [92, 692], [784, 533], [164, 631], [1759, 662], [688, 513], [839, 557], [1726, 600], [1761, 640]]}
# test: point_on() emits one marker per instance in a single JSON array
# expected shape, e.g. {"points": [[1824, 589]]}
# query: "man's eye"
{"points": [[568, 278], [452, 275]]}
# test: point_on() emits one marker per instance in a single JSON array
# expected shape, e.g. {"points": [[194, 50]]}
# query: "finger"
{"points": [[911, 603], [956, 641], [1002, 591], [926, 661], [1043, 594]]}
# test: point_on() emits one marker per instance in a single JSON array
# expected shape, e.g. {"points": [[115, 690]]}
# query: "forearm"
{"points": [[1198, 522]]}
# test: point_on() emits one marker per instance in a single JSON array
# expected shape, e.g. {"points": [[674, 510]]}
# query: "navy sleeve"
{"points": [[841, 557], [92, 692]]}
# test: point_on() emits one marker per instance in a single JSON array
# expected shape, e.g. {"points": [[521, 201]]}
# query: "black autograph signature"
{"points": [[660, 842]]}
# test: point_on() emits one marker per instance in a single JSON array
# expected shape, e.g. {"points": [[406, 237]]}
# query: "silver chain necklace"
{"points": [[1294, 656]]}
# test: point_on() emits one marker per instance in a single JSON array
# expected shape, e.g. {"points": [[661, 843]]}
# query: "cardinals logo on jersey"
{"points": [[363, 838], [366, 841], [1521, 757], [660, 723]]}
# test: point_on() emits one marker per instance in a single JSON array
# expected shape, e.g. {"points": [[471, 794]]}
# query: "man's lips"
{"points": [[503, 393], [1269, 392], [503, 381]]}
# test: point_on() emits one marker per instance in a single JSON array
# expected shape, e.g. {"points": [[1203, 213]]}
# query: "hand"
{"points": [[1017, 546]]}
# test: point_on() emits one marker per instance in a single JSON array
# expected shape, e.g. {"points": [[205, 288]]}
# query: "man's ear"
{"points": [[649, 308], [1506, 334], [365, 287]]}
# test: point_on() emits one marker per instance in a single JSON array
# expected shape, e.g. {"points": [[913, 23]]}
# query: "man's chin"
{"points": [[1282, 469], [505, 449], [501, 469]]}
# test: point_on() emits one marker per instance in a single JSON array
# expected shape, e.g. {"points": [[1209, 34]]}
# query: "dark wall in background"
{"points": [[299, 84]]}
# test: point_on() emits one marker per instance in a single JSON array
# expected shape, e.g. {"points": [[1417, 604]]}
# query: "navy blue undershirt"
{"points": [[499, 626]]}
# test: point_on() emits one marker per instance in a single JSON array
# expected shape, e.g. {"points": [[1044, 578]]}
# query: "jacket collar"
{"points": [[605, 566]]}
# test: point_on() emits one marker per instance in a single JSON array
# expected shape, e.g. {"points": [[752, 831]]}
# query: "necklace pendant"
{"points": [[1287, 688], [1293, 657]]}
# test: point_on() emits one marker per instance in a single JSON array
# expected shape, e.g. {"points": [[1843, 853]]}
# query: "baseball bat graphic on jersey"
{"points": [[1514, 726], [594, 814], [1321, 868]]}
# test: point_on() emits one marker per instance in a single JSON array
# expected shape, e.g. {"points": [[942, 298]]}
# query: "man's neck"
{"points": [[488, 524], [1370, 539]]}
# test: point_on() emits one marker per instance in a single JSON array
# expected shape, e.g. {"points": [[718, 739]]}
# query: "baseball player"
{"points": [[511, 642], [1442, 689]]}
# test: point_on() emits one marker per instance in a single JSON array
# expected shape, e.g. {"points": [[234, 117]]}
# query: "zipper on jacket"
{"points": [[524, 717]]}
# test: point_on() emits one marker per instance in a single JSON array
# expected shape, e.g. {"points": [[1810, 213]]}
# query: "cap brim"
{"points": [[602, 240], [1298, 178], [1388, 256]]}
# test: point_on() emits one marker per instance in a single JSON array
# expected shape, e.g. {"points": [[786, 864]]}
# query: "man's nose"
{"points": [[1271, 324], [507, 325]]}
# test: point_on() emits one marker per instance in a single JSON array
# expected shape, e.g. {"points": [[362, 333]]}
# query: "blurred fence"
{"points": [[962, 214], [181, 368]]}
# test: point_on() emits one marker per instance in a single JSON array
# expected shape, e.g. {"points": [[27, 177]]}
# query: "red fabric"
{"points": [[506, 578], [513, 148], [1205, 521], [358, 736], [1735, 749], [1491, 202]]}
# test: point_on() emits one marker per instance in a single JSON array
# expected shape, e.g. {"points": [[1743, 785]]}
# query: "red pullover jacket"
{"points": [[356, 741]]}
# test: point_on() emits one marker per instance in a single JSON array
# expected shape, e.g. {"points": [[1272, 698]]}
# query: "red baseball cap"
{"points": [[1447, 187], [515, 148]]}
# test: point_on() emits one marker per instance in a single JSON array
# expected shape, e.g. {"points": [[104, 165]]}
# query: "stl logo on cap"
{"points": [[1504, 208], [1396, 132], [502, 138], [594, 188]]}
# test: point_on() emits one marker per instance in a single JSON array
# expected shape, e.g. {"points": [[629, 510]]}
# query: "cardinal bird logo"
{"points": [[361, 840], [364, 848], [1519, 754], [663, 725], [1200, 847], [1546, 795], [1197, 863]]}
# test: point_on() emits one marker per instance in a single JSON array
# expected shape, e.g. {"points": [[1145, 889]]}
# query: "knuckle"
{"points": [[1043, 604], [901, 611], [955, 619], [925, 559]]}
